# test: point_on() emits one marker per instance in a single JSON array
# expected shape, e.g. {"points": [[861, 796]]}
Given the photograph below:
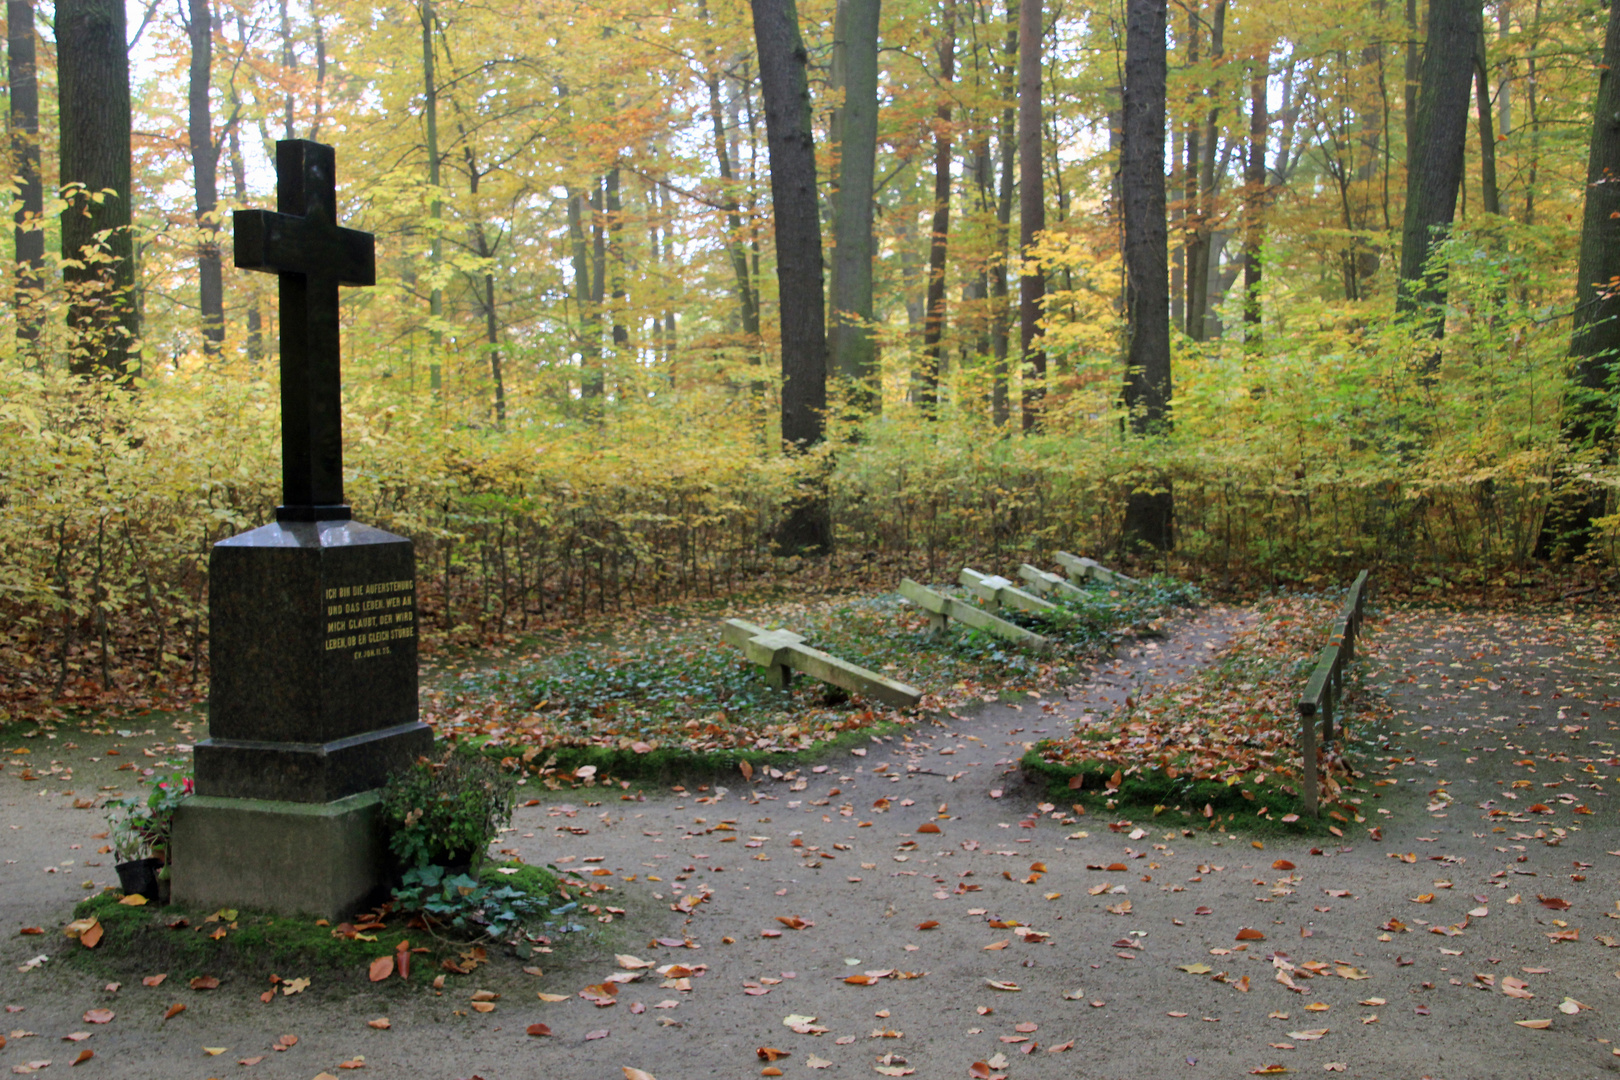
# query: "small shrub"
{"points": [[445, 812]]}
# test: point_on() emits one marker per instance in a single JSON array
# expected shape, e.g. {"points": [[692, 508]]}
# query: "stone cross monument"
{"points": [[313, 701]]}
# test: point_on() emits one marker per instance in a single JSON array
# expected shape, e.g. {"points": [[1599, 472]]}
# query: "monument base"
{"points": [[326, 860]]}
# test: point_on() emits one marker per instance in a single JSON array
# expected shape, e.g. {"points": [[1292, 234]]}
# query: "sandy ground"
{"points": [[1097, 955]]}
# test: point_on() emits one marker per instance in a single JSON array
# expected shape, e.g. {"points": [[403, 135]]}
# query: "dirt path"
{"points": [[1100, 976]]}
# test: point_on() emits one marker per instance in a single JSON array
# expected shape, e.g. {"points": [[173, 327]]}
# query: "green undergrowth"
{"points": [[1222, 745], [176, 939], [672, 701]]}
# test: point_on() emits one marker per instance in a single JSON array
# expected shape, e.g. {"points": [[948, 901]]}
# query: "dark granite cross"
{"points": [[303, 244]]}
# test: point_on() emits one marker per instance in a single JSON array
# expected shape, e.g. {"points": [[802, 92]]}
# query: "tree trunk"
{"points": [[1254, 182], [1199, 252], [1594, 341], [430, 122], [233, 142], [205, 175], [615, 252], [289, 64], [1147, 288], [747, 302], [1414, 58], [1031, 209], [1435, 159], [939, 235], [1000, 406], [852, 352], [30, 200], [492, 324], [784, 86], [1489, 197], [93, 90], [590, 318]]}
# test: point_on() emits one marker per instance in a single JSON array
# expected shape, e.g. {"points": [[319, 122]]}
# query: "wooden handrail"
{"points": [[1326, 685]]}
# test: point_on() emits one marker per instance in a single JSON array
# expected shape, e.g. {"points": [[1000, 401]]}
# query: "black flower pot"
{"points": [[140, 876]]}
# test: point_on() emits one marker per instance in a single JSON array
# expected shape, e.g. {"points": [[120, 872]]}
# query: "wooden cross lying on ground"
{"points": [[782, 652], [941, 609], [1077, 567], [1043, 582], [1002, 593]]}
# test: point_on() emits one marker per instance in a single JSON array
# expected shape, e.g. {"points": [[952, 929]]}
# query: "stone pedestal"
{"points": [[313, 701], [326, 860]]}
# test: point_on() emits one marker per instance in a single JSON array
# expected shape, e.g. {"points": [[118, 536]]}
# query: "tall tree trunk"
{"points": [[939, 236], [615, 252], [852, 352], [492, 325], [233, 143], [736, 247], [1000, 406], [1594, 341], [785, 88], [1435, 159], [1490, 198], [29, 229], [1532, 105], [1414, 59], [205, 175], [1191, 142], [590, 317], [289, 64], [1031, 209], [93, 91], [1199, 252], [1254, 199], [430, 123], [596, 385], [1149, 508]]}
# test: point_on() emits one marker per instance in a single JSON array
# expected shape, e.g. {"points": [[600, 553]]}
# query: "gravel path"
{"points": [[1098, 955]]}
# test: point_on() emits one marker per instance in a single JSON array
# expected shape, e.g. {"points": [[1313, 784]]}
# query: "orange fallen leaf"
{"points": [[381, 1023], [771, 1053], [1282, 864], [91, 937], [860, 980], [98, 1016], [173, 1011], [637, 1074], [929, 925], [381, 968], [154, 980], [84, 1056], [793, 922], [356, 1062], [205, 982], [928, 827], [1249, 934], [1538, 1025]]}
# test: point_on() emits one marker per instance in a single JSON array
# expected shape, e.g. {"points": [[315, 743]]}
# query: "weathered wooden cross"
{"points": [[302, 243], [782, 652]]}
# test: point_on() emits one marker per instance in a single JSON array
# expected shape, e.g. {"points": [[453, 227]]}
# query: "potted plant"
{"points": [[445, 811], [140, 830]]}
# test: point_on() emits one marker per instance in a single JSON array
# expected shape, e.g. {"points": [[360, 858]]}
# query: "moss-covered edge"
{"points": [[1181, 802], [140, 937], [678, 764]]}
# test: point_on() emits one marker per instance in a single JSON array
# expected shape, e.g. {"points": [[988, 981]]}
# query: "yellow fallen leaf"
{"points": [[215, 1051], [1196, 969], [1537, 1024], [543, 996], [637, 1074], [133, 900]]}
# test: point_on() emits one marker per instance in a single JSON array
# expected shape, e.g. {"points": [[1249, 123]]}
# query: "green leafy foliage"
{"points": [[465, 903], [446, 811]]}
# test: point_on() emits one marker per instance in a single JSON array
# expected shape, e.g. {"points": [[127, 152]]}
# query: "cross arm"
{"points": [[278, 243]]}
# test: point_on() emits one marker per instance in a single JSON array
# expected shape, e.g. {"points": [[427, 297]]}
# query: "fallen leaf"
{"points": [[154, 980], [381, 968], [294, 986], [929, 925], [543, 996], [173, 1011], [205, 982], [1539, 1025], [1248, 934], [381, 1023], [1308, 1036], [814, 1062], [771, 1053], [592, 1036], [996, 984], [84, 1055], [637, 1074], [100, 1016]]}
